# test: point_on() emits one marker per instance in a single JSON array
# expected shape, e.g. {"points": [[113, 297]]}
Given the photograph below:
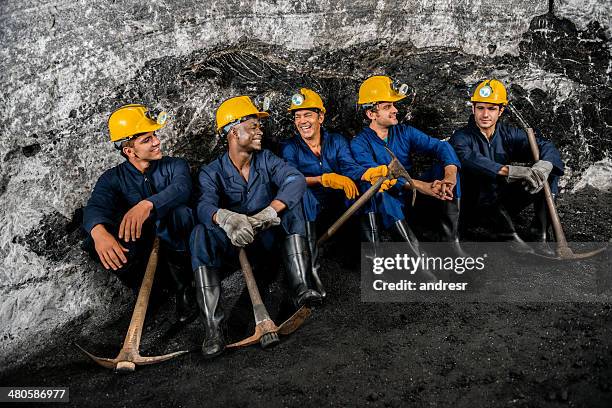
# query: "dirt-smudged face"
{"points": [[486, 115], [308, 123]]}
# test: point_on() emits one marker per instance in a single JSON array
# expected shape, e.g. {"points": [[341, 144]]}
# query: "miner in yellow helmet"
{"points": [[439, 186], [325, 159], [494, 187], [248, 198], [146, 195]]}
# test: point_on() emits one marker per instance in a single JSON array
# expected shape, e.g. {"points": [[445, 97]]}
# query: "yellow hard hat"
{"points": [[130, 120], [306, 99], [491, 91], [380, 88], [235, 109]]}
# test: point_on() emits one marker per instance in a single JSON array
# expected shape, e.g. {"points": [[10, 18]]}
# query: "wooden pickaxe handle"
{"points": [[552, 208], [351, 210]]}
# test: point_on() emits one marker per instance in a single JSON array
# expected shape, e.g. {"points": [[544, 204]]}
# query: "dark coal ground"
{"points": [[351, 353]]}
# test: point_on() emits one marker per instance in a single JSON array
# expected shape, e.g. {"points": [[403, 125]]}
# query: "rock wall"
{"points": [[66, 65]]}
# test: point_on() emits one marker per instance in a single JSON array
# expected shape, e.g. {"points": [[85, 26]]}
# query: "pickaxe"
{"points": [[129, 355], [266, 332], [564, 252], [395, 170]]}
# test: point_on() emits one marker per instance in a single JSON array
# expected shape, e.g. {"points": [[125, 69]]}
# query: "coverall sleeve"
{"points": [[548, 151], [472, 160], [289, 153], [176, 193], [348, 166], [208, 201], [421, 143], [362, 153], [102, 205], [290, 182]]}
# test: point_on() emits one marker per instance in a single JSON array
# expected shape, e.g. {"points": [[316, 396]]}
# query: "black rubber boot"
{"points": [[311, 236], [403, 233], [504, 228], [449, 226], [539, 226], [297, 266], [180, 271], [208, 291], [370, 233]]}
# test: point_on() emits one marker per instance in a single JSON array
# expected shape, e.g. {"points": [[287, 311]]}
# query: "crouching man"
{"points": [[439, 185], [493, 185], [247, 196], [143, 197], [325, 159]]}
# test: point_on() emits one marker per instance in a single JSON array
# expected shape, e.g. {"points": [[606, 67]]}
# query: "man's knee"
{"points": [[181, 219]]}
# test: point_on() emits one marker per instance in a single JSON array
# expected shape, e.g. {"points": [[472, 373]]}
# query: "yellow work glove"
{"points": [[339, 182], [387, 184], [374, 173]]}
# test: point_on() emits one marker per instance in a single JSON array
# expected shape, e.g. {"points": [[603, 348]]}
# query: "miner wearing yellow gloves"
{"points": [[325, 159]]}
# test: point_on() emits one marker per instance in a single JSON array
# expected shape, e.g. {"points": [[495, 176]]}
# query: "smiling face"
{"points": [[308, 123], [486, 115], [145, 147], [384, 115], [247, 136]]}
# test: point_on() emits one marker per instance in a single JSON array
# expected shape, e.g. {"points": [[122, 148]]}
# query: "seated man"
{"points": [[326, 161], [247, 196], [486, 148], [145, 196], [377, 96]]}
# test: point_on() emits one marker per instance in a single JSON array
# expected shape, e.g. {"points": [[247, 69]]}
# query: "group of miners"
{"points": [[249, 197]]}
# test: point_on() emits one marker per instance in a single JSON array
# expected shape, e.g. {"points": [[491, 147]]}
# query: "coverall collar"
{"points": [[324, 141], [232, 172], [474, 127], [149, 170], [374, 136]]}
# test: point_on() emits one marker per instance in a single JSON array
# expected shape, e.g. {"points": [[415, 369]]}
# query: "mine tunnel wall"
{"points": [[66, 65]]}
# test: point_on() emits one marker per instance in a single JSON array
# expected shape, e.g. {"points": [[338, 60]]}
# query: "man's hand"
{"points": [[340, 182], [541, 170], [387, 184], [374, 173], [236, 226], [264, 219], [433, 189], [443, 189], [131, 224], [110, 251], [533, 177]]}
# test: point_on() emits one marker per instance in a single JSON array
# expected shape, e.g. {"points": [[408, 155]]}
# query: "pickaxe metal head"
{"points": [[397, 170]]}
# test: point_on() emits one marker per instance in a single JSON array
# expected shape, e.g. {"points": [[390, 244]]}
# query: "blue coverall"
{"points": [[369, 151], [335, 157], [482, 159], [222, 186], [166, 183]]}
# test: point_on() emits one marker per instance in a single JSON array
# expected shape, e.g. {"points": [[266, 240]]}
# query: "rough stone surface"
{"points": [[65, 66]]}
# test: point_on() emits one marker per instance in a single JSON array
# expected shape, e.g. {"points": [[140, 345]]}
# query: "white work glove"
{"points": [[236, 226], [264, 219], [541, 170], [525, 174]]}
